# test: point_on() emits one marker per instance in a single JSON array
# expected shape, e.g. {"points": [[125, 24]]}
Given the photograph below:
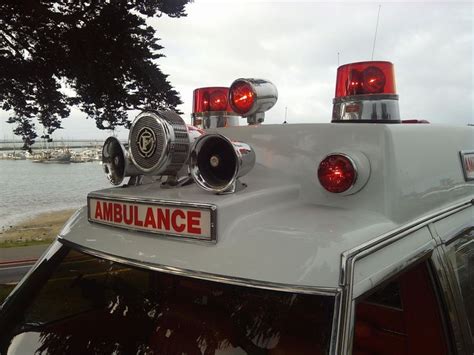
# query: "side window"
{"points": [[460, 254], [401, 317]]}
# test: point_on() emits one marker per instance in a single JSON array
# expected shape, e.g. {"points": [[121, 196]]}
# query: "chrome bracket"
{"points": [[173, 181], [235, 187], [256, 118]]}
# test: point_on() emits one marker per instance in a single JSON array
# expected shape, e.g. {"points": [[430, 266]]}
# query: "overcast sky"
{"points": [[294, 44]]}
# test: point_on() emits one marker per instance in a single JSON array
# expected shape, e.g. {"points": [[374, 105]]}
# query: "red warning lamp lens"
{"points": [[337, 173], [242, 97], [205, 102], [354, 82], [211, 99], [373, 80], [365, 78], [218, 100]]}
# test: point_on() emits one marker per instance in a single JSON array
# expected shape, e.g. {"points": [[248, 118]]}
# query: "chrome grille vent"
{"points": [[141, 160], [159, 142]]}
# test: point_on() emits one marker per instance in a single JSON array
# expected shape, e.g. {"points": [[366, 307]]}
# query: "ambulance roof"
{"points": [[284, 227]]}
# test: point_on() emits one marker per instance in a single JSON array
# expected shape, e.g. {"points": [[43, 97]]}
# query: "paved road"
{"points": [[15, 262], [13, 274], [21, 253]]}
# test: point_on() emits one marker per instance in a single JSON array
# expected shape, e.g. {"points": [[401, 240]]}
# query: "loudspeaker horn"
{"points": [[116, 161], [216, 163]]}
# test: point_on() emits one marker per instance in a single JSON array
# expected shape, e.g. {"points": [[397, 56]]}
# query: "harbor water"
{"points": [[27, 188]]}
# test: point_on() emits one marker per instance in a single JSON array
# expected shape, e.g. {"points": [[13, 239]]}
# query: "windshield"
{"points": [[90, 305]]}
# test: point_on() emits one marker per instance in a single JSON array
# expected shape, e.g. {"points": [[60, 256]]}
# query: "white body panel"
{"points": [[373, 269], [452, 225], [284, 227]]}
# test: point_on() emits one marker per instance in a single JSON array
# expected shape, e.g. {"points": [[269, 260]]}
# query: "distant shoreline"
{"points": [[39, 229]]}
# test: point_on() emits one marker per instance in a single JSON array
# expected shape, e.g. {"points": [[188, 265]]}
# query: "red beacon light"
{"points": [[344, 173], [365, 92], [211, 108], [337, 173], [252, 97]]}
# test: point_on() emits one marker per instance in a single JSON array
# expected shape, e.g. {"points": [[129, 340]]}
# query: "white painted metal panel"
{"points": [[275, 239], [452, 225], [374, 268], [284, 227]]}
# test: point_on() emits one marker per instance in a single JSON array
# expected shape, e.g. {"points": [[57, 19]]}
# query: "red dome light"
{"points": [[218, 100], [337, 173], [365, 78], [211, 99], [242, 97]]}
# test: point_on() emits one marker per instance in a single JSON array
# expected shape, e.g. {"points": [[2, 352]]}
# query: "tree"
{"points": [[101, 49]]}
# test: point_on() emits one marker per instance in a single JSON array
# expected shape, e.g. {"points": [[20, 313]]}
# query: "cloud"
{"points": [[296, 44]]}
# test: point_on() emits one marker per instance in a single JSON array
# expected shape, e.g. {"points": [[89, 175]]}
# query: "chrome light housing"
{"points": [[252, 97]]}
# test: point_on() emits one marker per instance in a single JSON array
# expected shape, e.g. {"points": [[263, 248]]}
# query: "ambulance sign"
{"points": [[166, 218], [467, 161]]}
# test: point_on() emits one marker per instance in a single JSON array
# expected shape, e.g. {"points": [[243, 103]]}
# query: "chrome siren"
{"points": [[116, 161], [216, 163], [159, 143]]}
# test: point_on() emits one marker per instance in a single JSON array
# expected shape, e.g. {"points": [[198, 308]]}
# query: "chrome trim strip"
{"points": [[316, 290], [213, 120], [368, 97], [212, 209], [349, 257], [215, 114], [336, 321], [369, 110]]}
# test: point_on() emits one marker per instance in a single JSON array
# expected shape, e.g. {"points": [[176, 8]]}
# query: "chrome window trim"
{"points": [[349, 257], [238, 281], [455, 301], [455, 289], [451, 301], [334, 341]]}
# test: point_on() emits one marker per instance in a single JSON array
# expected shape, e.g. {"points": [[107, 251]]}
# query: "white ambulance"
{"points": [[351, 237]]}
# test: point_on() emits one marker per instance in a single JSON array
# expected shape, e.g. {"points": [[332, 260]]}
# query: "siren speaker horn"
{"points": [[216, 163], [116, 161]]}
